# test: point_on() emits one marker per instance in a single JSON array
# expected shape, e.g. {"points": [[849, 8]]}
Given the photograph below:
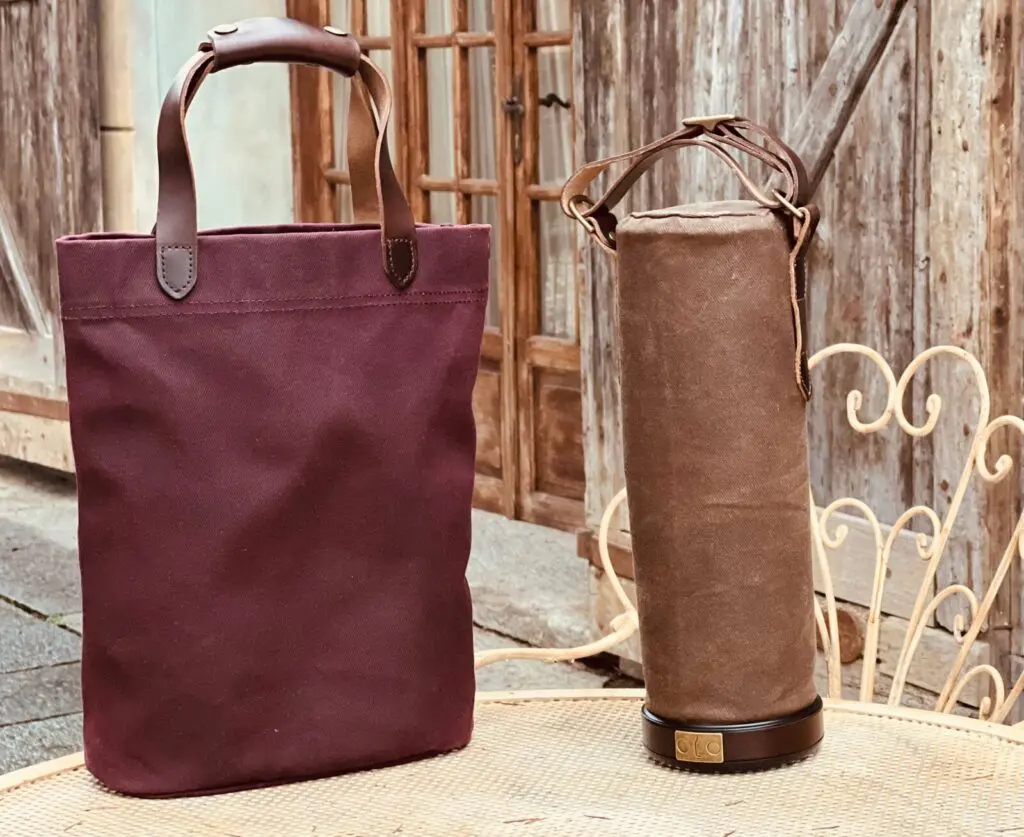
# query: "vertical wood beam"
{"points": [[401, 89], [359, 21], [417, 123], [525, 276], [599, 95], [1001, 277], [506, 208], [975, 277], [117, 119], [462, 110], [923, 448], [312, 108]]}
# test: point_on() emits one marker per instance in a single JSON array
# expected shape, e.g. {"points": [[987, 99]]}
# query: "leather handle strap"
{"points": [[274, 40], [720, 135], [361, 141]]}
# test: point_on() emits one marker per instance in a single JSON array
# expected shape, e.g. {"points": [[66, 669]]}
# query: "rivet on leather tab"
{"points": [[331, 30], [709, 123], [225, 28]]}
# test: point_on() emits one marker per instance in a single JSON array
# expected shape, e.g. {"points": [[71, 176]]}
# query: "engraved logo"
{"points": [[700, 747]]}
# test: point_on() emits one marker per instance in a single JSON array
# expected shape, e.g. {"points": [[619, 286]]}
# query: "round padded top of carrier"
{"points": [[573, 764]]}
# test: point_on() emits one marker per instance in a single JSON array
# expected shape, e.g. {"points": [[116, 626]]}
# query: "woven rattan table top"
{"points": [[572, 764]]}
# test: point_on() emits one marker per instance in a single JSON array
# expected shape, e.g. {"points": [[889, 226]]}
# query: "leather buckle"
{"points": [[708, 123]]}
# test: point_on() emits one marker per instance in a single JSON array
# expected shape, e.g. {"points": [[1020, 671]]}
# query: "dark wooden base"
{"points": [[734, 748]]}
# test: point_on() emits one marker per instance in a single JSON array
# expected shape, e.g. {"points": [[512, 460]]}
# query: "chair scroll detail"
{"points": [[828, 534]]}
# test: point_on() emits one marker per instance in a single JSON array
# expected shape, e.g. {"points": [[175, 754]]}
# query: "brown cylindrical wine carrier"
{"points": [[714, 379]]}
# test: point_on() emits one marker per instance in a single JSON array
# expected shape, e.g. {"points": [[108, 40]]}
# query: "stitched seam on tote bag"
{"points": [[99, 306], [468, 298]]}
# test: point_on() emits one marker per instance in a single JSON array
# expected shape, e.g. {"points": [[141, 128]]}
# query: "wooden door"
{"points": [[484, 135], [49, 185], [549, 411]]}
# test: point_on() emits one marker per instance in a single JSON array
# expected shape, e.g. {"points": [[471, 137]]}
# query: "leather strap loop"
{"points": [[720, 135], [274, 39]]}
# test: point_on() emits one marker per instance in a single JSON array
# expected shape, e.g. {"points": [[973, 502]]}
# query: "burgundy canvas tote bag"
{"points": [[274, 443]]}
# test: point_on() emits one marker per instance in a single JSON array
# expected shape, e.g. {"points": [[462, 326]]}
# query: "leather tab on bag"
{"points": [[269, 39], [176, 265], [401, 261]]}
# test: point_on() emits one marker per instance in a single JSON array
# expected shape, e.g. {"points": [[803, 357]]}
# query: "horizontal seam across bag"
{"points": [[339, 304]]}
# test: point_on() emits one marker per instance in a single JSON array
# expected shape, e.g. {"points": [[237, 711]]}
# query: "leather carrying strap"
{"points": [[719, 135], [277, 40]]}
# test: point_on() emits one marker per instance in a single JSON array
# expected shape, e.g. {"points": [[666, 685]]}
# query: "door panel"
{"points": [[460, 171], [551, 481]]}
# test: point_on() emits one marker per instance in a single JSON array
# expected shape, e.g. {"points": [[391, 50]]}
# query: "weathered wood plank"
{"points": [[852, 567], [861, 289], [50, 185], [49, 118], [1002, 297], [922, 451], [43, 441], [957, 232], [1016, 715], [837, 89], [599, 56], [312, 109], [933, 660]]}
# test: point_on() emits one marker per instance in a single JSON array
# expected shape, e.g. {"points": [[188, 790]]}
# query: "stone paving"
{"points": [[526, 582]]}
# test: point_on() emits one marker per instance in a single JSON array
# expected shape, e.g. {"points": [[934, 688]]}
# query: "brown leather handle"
{"points": [[361, 140], [258, 40], [718, 134]]}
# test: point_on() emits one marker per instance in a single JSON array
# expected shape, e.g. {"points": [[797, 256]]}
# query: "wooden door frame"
{"points": [[514, 345], [498, 345], [316, 175], [532, 349]]}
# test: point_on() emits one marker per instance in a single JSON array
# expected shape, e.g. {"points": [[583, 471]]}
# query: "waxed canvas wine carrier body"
{"points": [[274, 445], [714, 386]]}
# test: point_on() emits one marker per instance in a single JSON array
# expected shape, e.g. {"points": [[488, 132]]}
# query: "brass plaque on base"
{"points": [[704, 747]]}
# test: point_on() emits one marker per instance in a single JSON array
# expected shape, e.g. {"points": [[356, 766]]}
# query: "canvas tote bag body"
{"points": [[711, 323], [274, 444]]}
